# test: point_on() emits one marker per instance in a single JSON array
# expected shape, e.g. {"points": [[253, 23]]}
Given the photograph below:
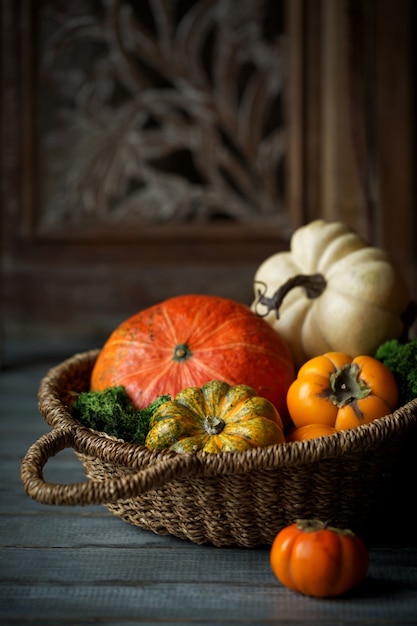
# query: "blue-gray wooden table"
{"points": [[82, 565]]}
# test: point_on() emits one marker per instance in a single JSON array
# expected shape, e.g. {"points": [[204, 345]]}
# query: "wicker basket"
{"points": [[225, 499]]}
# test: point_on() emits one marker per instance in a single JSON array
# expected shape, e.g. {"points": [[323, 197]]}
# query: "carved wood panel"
{"points": [[156, 114], [146, 153]]}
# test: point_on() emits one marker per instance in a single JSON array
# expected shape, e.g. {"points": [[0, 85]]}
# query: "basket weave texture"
{"points": [[225, 499]]}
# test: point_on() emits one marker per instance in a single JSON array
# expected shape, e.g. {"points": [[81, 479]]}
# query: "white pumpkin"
{"points": [[349, 298]]}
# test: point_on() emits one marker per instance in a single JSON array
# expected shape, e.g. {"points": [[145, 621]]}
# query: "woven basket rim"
{"points": [[54, 386]]}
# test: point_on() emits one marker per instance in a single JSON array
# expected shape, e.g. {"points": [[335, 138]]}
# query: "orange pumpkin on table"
{"points": [[186, 341], [319, 560]]}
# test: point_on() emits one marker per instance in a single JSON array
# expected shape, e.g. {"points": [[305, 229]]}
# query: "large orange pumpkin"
{"points": [[189, 340]]}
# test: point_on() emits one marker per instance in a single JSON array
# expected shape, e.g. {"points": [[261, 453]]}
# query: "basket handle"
{"points": [[94, 492]]}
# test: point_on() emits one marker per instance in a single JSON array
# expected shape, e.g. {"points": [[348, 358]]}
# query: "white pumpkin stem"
{"points": [[313, 285]]}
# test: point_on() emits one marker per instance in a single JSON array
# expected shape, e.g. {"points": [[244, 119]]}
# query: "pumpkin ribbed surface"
{"points": [[215, 418], [331, 292], [189, 340]]}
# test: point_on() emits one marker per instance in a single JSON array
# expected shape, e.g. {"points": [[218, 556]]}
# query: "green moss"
{"points": [[111, 411], [401, 359]]}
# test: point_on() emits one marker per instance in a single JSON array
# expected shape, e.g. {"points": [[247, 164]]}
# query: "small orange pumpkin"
{"points": [[341, 391], [318, 560], [189, 340], [215, 418]]}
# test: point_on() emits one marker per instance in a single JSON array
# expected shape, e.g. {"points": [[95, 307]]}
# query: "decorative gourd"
{"points": [[215, 418], [331, 292], [188, 340]]}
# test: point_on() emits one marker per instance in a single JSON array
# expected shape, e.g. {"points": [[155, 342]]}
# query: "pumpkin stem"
{"points": [[213, 424], [315, 525], [182, 352], [313, 285], [346, 386]]}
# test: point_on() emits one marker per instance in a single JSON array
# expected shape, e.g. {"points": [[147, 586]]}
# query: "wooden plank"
{"points": [[170, 561], [396, 132], [295, 115], [342, 195], [312, 149], [15, 446], [265, 601], [70, 528], [174, 561]]}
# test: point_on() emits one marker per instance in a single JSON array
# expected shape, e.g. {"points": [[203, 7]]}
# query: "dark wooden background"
{"points": [[151, 149]]}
